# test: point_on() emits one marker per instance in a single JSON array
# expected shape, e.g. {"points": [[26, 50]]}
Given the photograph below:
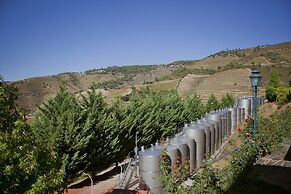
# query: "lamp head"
{"points": [[255, 78]]}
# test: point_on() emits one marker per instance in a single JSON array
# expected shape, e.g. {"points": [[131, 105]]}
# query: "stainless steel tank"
{"points": [[223, 116], [149, 170], [246, 104], [180, 142], [243, 113], [192, 147], [212, 126], [252, 103], [207, 132], [239, 116], [196, 138], [233, 111], [175, 155], [216, 132], [216, 117], [227, 112]]}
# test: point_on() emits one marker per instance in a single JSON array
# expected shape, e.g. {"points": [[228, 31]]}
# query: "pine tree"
{"points": [[212, 103], [227, 101], [101, 123], [194, 108], [59, 128]]}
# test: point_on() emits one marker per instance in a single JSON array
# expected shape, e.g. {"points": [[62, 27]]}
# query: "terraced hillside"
{"points": [[234, 81], [225, 71]]}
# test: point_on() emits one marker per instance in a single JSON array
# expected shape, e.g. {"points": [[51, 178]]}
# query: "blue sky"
{"points": [[45, 37]]}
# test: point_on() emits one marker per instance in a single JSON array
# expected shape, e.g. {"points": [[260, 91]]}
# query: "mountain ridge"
{"points": [[117, 80]]}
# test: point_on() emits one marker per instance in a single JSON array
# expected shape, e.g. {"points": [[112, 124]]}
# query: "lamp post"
{"points": [[255, 82], [135, 149]]}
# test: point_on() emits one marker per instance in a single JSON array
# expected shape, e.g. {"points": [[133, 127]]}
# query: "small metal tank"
{"points": [[224, 124], [149, 170], [260, 101], [207, 132], [180, 142], [212, 126], [216, 132], [252, 103], [243, 113], [216, 117], [175, 155], [246, 104], [239, 116], [227, 113], [192, 147], [233, 111], [193, 132]]}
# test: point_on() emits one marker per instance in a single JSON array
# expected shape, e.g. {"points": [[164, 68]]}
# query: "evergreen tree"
{"points": [[102, 124], [212, 103], [18, 157], [227, 101], [194, 108], [59, 128], [273, 85], [152, 114]]}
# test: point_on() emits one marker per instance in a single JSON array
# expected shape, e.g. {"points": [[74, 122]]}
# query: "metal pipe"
{"points": [[92, 189]]}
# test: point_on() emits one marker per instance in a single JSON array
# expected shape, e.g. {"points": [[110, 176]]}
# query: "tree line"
{"points": [[73, 135]]}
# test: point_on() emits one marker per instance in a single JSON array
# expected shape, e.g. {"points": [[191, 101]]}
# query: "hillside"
{"points": [[225, 71]]}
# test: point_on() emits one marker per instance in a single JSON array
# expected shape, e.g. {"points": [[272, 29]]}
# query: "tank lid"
{"points": [[150, 152]]}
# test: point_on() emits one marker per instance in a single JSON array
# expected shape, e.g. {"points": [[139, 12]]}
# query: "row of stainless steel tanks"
{"points": [[197, 142]]}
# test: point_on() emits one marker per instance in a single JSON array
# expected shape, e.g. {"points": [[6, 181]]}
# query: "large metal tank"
{"points": [[175, 155], [216, 132], [180, 142], [252, 103], [260, 101], [192, 147], [149, 170], [197, 134], [227, 113], [243, 114], [239, 116], [216, 117], [207, 132], [233, 111], [212, 125], [246, 104], [223, 116]]}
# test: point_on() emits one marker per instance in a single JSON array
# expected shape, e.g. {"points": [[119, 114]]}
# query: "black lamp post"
{"points": [[255, 82]]}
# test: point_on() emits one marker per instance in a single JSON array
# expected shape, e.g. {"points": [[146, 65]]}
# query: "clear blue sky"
{"points": [[45, 37]]}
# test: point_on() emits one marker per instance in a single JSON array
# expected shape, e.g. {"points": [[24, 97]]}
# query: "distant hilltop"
{"points": [[225, 71]]}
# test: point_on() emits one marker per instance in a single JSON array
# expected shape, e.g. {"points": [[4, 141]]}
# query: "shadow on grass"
{"points": [[264, 179]]}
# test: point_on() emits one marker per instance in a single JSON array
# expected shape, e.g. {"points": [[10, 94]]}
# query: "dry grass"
{"points": [[34, 91], [212, 62], [165, 85]]}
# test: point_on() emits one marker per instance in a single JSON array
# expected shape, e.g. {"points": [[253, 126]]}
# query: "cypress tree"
{"points": [[58, 127], [227, 101], [194, 108], [212, 103]]}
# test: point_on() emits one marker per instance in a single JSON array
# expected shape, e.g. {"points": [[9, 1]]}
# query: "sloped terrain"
{"points": [[234, 81], [225, 71]]}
